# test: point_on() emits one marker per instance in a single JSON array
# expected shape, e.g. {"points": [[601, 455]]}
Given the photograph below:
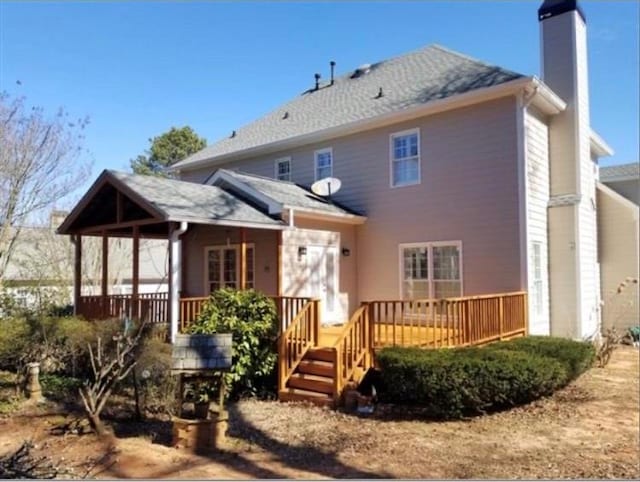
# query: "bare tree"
{"points": [[40, 163], [108, 370]]}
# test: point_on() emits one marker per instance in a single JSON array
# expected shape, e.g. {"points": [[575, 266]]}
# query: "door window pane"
{"points": [[214, 270]]}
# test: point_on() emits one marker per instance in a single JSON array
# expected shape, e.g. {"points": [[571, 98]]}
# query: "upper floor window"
{"points": [[283, 169], [324, 163], [405, 158]]}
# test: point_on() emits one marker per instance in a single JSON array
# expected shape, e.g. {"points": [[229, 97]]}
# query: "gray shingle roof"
{"points": [[186, 201], [415, 78], [287, 193], [620, 172]]}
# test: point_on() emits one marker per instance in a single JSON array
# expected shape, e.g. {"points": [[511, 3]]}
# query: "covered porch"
{"points": [[213, 239]]}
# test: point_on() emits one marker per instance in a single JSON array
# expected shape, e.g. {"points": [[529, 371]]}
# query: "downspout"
{"points": [[175, 246]]}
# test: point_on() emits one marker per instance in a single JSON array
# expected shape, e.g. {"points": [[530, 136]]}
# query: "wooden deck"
{"points": [[418, 336], [318, 362]]}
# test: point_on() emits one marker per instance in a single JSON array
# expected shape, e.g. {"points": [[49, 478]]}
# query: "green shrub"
{"points": [[15, 333], [59, 387], [575, 356], [153, 370], [466, 381], [252, 319]]}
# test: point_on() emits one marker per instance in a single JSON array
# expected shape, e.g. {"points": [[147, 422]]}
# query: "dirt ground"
{"points": [[591, 429]]}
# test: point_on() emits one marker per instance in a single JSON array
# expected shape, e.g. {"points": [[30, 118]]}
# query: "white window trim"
{"points": [[206, 250], [277, 163], [415, 130], [429, 245], [315, 161]]}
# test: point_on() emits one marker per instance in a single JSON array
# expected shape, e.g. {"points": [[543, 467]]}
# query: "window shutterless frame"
{"points": [[430, 264], [278, 173], [316, 157], [392, 159]]}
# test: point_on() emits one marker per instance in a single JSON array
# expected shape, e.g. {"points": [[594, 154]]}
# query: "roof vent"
{"points": [[233, 134], [332, 64], [285, 115], [360, 71], [380, 94], [317, 77]]}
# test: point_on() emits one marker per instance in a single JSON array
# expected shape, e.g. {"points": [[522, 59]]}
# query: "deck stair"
{"points": [[313, 378]]}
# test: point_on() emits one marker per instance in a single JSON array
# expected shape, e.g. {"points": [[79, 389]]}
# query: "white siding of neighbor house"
{"points": [[537, 164], [468, 192]]}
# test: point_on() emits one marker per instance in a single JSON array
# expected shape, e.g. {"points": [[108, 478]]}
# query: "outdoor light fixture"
{"points": [[346, 252], [302, 251]]}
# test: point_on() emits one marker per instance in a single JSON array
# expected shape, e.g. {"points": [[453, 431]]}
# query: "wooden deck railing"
{"points": [[148, 306], [354, 348], [295, 341], [463, 321], [190, 309], [288, 308]]}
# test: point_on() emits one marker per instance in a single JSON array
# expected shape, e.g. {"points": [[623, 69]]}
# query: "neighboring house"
{"points": [[619, 244], [41, 267], [458, 178], [623, 179]]}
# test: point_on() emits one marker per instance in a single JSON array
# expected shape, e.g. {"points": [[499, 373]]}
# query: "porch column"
{"points": [[243, 258], [105, 273], [135, 277], [77, 273], [175, 272]]}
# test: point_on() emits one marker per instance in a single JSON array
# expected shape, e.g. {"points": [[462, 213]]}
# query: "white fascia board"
{"points": [[552, 104], [228, 222], [599, 146], [221, 176], [310, 213]]}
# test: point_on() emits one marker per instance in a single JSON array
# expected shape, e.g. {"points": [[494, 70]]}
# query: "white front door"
{"points": [[322, 276]]}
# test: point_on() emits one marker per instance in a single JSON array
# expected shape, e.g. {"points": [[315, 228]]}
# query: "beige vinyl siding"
{"points": [[198, 237], [630, 189], [537, 162], [468, 192], [619, 259], [562, 271]]}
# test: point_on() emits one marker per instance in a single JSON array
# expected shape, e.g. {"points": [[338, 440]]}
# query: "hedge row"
{"points": [[453, 383]]}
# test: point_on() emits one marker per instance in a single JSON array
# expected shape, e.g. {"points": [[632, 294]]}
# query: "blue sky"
{"points": [[136, 69]]}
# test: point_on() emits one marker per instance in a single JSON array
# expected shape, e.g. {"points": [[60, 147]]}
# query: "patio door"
{"points": [[322, 280], [223, 267]]}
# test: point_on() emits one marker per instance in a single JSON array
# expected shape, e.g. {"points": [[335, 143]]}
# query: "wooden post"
{"points": [[77, 274], [243, 259], [135, 305], [105, 274], [501, 315]]}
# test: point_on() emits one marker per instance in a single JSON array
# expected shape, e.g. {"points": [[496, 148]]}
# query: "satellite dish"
{"points": [[326, 187]]}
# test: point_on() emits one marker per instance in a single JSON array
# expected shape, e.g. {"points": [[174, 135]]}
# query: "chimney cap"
{"points": [[552, 8]]}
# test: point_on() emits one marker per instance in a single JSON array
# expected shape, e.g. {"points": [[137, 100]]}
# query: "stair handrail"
{"points": [[297, 339], [353, 347]]}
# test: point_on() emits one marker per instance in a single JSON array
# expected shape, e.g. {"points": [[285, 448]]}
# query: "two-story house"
{"points": [[458, 178]]}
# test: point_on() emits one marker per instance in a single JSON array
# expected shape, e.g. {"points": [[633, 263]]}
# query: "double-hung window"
{"points": [[405, 158], [431, 270], [323, 163], [283, 169]]}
